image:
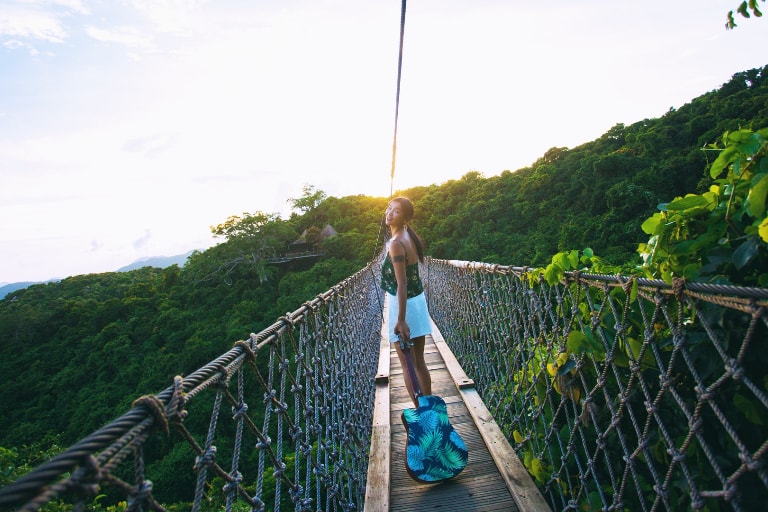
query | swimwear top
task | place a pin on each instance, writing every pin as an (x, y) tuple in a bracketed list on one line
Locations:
[(412, 278)]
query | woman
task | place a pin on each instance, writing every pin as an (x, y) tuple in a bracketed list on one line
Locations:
[(407, 306)]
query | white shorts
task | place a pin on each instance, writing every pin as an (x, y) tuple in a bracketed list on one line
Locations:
[(416, 316)]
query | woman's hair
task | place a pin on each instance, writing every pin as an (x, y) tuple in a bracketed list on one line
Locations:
[(407, 206)]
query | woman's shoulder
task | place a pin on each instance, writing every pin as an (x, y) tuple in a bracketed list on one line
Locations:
[(403, 246)]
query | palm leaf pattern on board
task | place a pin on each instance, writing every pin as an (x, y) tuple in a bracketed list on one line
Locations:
[(435, 451)]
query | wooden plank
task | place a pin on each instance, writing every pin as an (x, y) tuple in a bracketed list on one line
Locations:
[(451, 363), (519, 482), (378, 479), (379, 458), (382, 374)]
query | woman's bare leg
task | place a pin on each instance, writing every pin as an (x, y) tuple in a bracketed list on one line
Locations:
[(422, 372), (406, 373)]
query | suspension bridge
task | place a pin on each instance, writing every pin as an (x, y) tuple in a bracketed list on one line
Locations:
[(595, 393)]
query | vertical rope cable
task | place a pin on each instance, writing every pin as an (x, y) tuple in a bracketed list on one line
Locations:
[(397, 99)]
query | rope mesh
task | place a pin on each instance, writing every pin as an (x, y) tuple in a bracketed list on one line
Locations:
[(301, 396), (617, 394)]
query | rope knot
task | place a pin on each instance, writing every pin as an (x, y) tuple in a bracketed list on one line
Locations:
[(678, 287), (287, 320), (140, 497), (704, 395), (250, 355), (86, 480), (206, 459), (677, 455), (264, 443), (733, 368), (233, 483), (156, 409), (628, 285), (240, 411), (750, 463), (279, 469)]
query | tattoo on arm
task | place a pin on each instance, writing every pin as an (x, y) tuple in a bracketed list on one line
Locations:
[(398, 259)]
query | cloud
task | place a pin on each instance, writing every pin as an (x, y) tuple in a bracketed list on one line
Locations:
[(127, 36), (151, 146), (143, 240), (170, 16), (20, 22)]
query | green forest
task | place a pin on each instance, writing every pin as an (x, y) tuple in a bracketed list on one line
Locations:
[(679, 196)]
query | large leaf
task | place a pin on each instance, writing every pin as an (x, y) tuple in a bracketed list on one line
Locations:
[(746, 141), (750, 408), (757, 196), (745, 252), (688, 202), (651, 224), (762, 230), (727, 156), (573, 258)]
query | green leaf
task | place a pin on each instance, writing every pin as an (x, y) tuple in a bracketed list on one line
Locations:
[(749, 408), (588, 252), (762, 230), (745, 252), (757, 196), (561, 259), (727, 156), (553, 274), (688, 202), (577, 343), (651, 224), (573, 259)]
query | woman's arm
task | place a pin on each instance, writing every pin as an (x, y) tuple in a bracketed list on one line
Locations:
[(398, 255)]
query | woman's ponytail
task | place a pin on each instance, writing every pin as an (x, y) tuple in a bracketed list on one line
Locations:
[(417, 241)]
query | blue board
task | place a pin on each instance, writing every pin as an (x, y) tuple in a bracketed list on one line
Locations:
[(434, 451)]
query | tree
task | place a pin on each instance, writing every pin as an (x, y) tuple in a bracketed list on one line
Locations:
[(247, 226), (309, 200), (743, 9), (251, 240)]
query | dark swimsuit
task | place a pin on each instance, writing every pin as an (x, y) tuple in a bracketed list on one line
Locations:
[(412, 278)]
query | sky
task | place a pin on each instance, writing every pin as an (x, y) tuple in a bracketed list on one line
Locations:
[(129, 127)]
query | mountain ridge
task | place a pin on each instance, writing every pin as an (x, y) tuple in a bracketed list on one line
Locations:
[(148, 261)]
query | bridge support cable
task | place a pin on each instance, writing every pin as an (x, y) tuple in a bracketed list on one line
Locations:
[(397, 98)]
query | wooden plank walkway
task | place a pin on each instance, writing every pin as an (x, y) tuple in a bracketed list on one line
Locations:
[(494, 480)]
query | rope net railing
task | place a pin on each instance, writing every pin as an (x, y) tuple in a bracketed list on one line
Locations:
[(289, 427), (617, 393)]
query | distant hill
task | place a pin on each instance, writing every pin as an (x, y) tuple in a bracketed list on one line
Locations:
[(154, 261), (157, 261), (12, 287)]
